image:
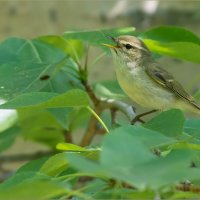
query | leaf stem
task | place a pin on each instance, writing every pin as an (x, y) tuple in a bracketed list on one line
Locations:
[(98, 118)]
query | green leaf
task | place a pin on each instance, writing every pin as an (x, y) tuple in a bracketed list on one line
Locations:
[(109, 90), (69, 147), (28, 99), (8, 136), (126, 158), (185, 195), (87, 166), (165, 123), (121, 144), (123, 193), (26, 64), (173, 41), (170, 34), (180, 50), (99, 36), (178, 168), (55, 164), (32, 166), (192, 127), (65, 79), (79, 117), (72, 47), (186, 145), (31, 186), (62, 116), (58, 163), (39, 125), (71, 98), (151, 138)]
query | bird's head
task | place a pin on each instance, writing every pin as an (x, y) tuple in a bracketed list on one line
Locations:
[(129, 48)]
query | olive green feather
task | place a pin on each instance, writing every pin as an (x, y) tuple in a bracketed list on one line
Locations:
[(165, 79)]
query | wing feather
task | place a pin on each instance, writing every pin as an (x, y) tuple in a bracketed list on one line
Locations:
[(165, 79)]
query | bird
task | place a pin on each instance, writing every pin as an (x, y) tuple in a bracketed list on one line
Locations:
[(144, 81)]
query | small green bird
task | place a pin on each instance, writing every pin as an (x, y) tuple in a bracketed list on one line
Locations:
[(144, 81)]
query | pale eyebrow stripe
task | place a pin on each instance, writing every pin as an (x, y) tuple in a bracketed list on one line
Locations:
[(138, 47)]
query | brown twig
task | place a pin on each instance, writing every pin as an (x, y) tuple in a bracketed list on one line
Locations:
[(68, 136), (90, 92), (93, 122), (91, 128), (188, 187)]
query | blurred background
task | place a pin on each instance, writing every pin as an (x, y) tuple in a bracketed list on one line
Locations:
[(32, 18)]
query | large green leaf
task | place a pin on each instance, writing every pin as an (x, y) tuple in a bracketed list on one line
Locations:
[(66, 78), (26, 65), (99, 36), (180, 50), (28, 99), (39, 125), (126, 146), (152, 139), (165, 123), (170, 34), (74, 48), (71, 98), (126, 157), (173, 41)]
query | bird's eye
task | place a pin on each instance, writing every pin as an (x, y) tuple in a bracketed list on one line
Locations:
[(128, 46)]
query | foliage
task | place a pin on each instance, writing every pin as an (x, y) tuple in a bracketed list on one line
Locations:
[(46, 81)]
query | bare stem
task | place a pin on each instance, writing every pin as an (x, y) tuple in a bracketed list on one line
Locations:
[(68, 136), (92, 128), (93, 122)]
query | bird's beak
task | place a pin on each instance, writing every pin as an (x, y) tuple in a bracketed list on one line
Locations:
[(111, 46)]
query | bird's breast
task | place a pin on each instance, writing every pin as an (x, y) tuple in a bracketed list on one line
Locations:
[(137, 84)]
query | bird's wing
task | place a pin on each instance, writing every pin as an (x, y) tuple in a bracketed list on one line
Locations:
[(165, 79)]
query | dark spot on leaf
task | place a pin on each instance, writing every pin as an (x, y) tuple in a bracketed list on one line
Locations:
[(193, 165), (44, 77)]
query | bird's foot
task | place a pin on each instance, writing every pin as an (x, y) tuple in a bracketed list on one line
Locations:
[(138, 117)]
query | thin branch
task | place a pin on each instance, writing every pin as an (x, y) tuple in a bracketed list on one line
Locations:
[(92, 128), (90, 92), (68, 136)]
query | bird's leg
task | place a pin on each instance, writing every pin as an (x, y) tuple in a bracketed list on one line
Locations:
[(113, 112), (137, 118)]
